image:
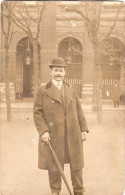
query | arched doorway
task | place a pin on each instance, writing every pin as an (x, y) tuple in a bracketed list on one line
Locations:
[(111, 60), (71, 50), (24, 69)]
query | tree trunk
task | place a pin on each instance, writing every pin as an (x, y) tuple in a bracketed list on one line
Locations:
[(97, 86), (8, 102), (99, 94), (94, 94), (36, 66)]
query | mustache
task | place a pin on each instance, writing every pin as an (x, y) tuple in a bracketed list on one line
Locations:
[(58, 76)]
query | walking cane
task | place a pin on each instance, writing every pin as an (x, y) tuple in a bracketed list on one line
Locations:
[(60, 168)]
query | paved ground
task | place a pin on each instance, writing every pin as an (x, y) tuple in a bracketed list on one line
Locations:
[(104, 156)]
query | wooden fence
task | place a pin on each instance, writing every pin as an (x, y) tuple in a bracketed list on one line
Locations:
[(77, 83), (107, 88)]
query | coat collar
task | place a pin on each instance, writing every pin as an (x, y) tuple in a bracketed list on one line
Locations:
[(53, 92), (49, 84), (68, 94)]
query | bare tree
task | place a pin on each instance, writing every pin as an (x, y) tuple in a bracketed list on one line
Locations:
[(91, 15), (26, 20), (7, 9)]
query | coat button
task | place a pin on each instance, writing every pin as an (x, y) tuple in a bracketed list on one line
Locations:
[(79, 131), (52, 101), (51, 123)]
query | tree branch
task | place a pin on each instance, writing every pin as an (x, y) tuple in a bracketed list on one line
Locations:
[(107, 52), (20, 26), (13, 5), (14, 17), (86, 23), (9, 5), (114, 23), (37, 7), (86, 8), (72, 9), (88, 30), (2, 25), (98, 20), (27, 25), (3, 6), (10, 39), (30, 15), (40, 18), (5, 15)]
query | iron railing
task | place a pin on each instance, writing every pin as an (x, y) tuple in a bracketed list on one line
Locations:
[(107, 88), (77, 84)]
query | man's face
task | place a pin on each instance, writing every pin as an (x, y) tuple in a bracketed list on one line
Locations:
[(58, 73)]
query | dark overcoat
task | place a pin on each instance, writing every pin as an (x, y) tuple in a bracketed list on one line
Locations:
[(49, 116), (116, 93)]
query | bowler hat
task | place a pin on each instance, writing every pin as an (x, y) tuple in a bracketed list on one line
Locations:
[(58, 62)]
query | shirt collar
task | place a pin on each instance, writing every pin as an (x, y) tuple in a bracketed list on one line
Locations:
[(56, 83)]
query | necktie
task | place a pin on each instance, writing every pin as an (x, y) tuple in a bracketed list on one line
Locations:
[(59, 85)]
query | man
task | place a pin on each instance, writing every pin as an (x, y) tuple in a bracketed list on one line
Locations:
[(116, 94), (59, 118)]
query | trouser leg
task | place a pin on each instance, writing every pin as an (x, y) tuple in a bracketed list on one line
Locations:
[(55, 181), (77, 181), (114, 103), (117, 103)]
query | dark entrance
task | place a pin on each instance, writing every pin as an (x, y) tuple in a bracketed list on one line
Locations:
[(71, 50), (28, 76), (24, 69)]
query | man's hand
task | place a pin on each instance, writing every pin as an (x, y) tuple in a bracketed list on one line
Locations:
[(45, 137), (84, 136)]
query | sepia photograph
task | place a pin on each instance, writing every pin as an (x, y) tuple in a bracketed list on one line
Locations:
[(62, 98)]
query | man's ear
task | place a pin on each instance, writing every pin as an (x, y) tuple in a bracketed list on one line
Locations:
[(65, 70)]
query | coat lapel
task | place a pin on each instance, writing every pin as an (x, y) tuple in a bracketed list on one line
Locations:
[(68, 95), (52, 91)]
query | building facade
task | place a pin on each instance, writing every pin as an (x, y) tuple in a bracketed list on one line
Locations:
[(65, 34)]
